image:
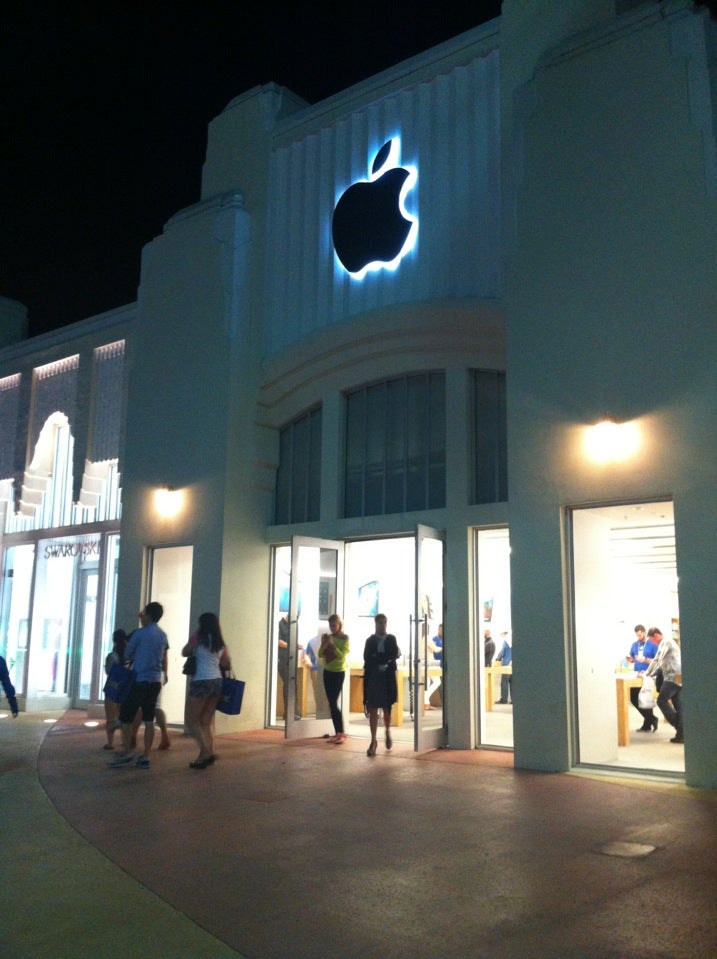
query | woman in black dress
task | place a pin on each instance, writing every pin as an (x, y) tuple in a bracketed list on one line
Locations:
[(379, 679)]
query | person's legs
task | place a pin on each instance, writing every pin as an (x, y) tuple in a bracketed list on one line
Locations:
[(127, 713), (161, 720), (333, 683), (206, 726), (194, 711), (387, 724), (668, 692), (373, 726), (111, 716), (648, 715), (149, 694), (677, 703)]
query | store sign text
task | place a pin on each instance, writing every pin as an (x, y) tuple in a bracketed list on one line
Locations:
[(89, 547)]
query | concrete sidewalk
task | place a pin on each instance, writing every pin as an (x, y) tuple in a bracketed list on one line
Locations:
[(310, 851)]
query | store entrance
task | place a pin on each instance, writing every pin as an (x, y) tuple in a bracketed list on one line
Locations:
[(401, 577), (63, 622), (494, 653), (624, 575)]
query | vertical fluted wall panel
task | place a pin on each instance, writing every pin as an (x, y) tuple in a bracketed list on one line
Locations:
[(449, 130)]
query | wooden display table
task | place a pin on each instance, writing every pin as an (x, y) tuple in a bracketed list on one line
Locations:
[(356, 691), (625, 682), (490, 675)]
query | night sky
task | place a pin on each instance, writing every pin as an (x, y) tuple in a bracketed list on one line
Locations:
[(105, 108)]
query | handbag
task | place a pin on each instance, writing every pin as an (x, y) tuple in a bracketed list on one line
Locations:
[(232, 696), (190, 665), (646, 696), (120, 680)]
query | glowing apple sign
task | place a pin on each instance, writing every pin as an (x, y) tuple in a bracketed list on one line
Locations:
[(371, 229)]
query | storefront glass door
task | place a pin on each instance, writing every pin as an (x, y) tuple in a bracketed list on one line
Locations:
[(494, 650), (83, 637), (18, 562), (401, 577), (624, 574), (428, 656), (63, 621), (308, 588)]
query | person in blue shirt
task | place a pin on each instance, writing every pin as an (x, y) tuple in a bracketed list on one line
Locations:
[(505, 658), (8, 687), (147, 654), (642, 652)]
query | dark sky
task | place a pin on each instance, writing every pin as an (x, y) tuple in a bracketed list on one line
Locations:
[(105, 106)]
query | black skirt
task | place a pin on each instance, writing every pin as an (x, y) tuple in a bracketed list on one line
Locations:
[(379, 689)]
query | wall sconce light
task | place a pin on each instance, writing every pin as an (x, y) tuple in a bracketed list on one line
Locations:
[(167, 501), (611, 442)]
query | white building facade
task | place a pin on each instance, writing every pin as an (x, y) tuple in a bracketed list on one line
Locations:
[(361, 373)]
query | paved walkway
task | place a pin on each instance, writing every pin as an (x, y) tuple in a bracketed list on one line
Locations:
[(310, 851)]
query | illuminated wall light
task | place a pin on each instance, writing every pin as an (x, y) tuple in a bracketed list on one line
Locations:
[(91, 723), (168, 501), (611, 442)]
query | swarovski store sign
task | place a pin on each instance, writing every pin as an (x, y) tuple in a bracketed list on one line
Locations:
[(56, 604)]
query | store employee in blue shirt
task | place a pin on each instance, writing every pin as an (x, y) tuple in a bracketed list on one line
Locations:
[(642, 652)]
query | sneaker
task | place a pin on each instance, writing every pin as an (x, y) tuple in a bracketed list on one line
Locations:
[(142, 763), (124, 759)]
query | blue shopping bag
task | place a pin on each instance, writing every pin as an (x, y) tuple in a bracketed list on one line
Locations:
[(119, 682), (232, 696)]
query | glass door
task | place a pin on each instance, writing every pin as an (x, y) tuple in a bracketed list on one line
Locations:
[(315, 592), (82, 645), (428, 656)]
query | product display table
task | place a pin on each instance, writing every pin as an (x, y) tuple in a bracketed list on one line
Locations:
[(625, 681), (491, 672)]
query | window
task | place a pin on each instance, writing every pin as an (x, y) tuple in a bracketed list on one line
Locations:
[(298, 475), (395, 458), (489, 427)]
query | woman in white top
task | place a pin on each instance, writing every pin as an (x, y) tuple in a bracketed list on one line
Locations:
[(205, 687)]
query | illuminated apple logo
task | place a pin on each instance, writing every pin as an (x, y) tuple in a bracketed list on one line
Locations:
[(371, 229)]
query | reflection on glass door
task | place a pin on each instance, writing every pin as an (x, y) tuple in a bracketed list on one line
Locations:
[(427, 660), (56, 648), (494, 654), (308, 588), (81, 655), (15, 594)]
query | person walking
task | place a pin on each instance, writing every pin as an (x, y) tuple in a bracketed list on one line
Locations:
[(8, 687), (641, 654), (147, 654), (333, 651), (205, 687), (668, 659), (380, 690), (116, 657)]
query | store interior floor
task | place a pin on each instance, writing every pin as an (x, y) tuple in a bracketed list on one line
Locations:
[(303, 850)]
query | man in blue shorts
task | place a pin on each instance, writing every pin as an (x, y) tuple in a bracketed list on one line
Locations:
[(147, 654)]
